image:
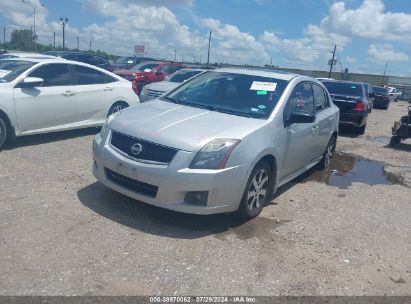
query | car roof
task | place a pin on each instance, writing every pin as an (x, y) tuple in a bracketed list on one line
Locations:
[(193, 69), (259, 72), (29, 55), (343, 81)]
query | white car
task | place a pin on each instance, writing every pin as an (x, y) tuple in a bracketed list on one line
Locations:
[(156, 89), (47, 95)]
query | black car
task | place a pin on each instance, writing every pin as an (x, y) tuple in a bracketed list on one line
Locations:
[(98, 61), (381, 97), (127, 62), (351, 98)]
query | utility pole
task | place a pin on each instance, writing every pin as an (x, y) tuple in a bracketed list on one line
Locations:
[(182, 55), (90, 45), (4, 37), (63, 22), (332, 61), (385, 70), (34, 20), (175, 54), (209, 45), (78, 43), (54, 39)]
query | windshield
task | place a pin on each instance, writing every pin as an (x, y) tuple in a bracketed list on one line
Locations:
[(142, 66), (237, 94), (344, 88), (11, 69), (125, 59), (380, 90), (181, 75)]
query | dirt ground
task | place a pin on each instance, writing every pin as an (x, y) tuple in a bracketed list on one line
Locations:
[(62, 233)]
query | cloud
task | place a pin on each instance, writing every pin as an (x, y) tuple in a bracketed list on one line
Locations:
[(385, 53), (369, 21)]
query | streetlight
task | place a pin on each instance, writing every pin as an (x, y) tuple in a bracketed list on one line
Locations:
[(34, 20), (63, 22)]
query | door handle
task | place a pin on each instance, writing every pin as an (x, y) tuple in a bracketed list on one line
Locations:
[(68, 93), (108, 89), (314, 129)]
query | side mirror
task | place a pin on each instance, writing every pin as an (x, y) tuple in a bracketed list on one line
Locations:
[(30, 82), (160, 73), (298, 116), (371, 94)]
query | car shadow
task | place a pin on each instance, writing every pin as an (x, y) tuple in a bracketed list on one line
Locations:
[(38, 139), (347, 131), (162, 222), (401, 147)]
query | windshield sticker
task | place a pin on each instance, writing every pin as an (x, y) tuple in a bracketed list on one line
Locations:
[(263, 86), (4, 73), (262, 107), (254, 110), (261, 92)]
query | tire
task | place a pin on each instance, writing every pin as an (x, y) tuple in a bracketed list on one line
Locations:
[(3, 131), (387, 106), (253, 201), (361, 130), (395, 140), (116, 107), (328, 153)]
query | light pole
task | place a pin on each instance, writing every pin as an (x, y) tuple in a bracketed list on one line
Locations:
[(63, 22), (34, 20)]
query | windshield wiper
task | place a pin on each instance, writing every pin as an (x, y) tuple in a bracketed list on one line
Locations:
[(172, 100), (233, 112)]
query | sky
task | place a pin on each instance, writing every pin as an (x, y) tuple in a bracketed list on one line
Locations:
[(289, 33)]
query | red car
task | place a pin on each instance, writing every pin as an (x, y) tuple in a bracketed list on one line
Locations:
[(148, 72)]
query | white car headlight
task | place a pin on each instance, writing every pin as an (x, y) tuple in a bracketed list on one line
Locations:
[(104, 129), (215, 154)]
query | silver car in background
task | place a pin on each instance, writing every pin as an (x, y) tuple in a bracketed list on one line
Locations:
[(156, 89), (224, 141)]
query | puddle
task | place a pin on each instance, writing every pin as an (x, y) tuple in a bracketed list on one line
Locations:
[(346, 169), (380, 139)]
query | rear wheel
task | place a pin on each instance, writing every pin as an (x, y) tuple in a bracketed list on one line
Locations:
[(117, 107), (395, 140), (257, 191), (3, 131), (361, 130), (328, 153)]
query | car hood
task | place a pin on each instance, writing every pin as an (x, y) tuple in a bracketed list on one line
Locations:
[(182, 127), (163, 86)]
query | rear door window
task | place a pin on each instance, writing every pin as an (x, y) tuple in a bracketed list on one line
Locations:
[(320, 98), (87, 76)]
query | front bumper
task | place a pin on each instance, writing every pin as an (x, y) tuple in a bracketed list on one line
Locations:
[(172, 182)]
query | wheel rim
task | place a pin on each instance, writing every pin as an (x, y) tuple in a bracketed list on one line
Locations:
[(258, 190), (117, 108), (330, 151)]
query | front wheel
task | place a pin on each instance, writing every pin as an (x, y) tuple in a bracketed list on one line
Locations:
[(117, 107), (257, 191), (3, 131)]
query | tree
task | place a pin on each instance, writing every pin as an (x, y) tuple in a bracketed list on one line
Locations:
[(21, 40)]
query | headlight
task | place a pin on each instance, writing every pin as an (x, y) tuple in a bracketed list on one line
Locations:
[(104, 129), (215, 154)]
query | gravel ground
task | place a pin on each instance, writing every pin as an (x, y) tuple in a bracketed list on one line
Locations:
[(62, 233)]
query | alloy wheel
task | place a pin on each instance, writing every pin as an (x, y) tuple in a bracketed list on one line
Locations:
[(330, 151), (258, 190)]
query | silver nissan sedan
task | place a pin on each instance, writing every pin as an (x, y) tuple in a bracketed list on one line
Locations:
[(222, 142)]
